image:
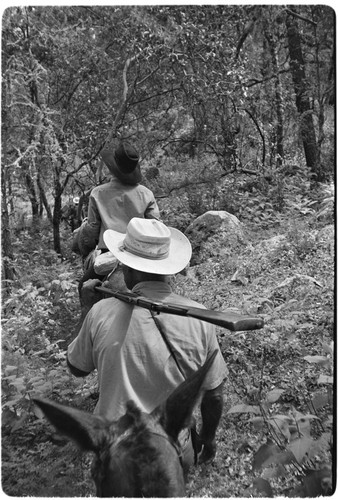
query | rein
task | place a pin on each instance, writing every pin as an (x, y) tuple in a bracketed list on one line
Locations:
[(177, 447)]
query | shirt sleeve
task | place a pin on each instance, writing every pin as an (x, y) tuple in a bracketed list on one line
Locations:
[(152, 211), (80, 351), (91, 229), (218, 370)]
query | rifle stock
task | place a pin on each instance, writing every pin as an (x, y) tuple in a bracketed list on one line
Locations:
[(226, 319)]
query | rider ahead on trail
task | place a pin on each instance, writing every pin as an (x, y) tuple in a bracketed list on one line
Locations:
[(113, 204)]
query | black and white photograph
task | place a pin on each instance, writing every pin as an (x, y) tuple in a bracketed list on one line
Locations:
[(168, 245)]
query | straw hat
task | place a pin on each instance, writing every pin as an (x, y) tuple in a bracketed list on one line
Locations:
[(150, 246), (123, 162)]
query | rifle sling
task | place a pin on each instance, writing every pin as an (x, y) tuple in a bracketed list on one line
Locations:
[(167, 343)]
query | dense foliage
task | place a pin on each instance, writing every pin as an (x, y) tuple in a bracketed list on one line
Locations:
[(276, 433), (225, 81), (231, 108)]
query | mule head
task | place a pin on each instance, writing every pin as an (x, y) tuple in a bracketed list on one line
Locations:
[(136, 455)]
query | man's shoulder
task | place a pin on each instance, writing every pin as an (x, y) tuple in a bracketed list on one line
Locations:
[(143, 189), (101, 187), (106, 305), (184, 301), (117, 187), (109, 309)]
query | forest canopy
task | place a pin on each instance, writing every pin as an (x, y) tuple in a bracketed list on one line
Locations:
[(232, 88)]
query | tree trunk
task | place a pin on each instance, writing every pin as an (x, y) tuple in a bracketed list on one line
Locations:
[(297, 65), (57, 212), (127, 92), (278, 94), (56, 225), (321, 100), (44, 200), (31, 190), (8, 270)]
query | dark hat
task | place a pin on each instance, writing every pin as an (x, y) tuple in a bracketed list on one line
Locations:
[(123, 162)]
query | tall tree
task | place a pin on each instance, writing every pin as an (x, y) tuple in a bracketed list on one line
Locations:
[(268, 23), (306, 124), (8, 270)]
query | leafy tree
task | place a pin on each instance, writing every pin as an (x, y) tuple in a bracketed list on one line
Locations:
[(278, 64), (213, 84)]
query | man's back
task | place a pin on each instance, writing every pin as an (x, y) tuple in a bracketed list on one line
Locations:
[(133, 360), (112, 205)]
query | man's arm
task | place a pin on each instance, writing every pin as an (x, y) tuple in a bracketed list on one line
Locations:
[(91, 228), (80, 358), (211, 411), (152, 211), (89, 296)]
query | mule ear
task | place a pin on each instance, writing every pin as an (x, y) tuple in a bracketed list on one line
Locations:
[(88, 431), (176, 412)]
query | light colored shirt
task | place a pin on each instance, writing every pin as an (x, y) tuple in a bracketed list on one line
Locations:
[(123, 343), (112, 206)]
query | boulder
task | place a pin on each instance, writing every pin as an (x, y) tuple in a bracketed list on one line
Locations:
[(271, 245), (214, 233)]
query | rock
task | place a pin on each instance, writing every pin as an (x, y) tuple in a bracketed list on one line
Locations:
[(272, 244), (214, 233)]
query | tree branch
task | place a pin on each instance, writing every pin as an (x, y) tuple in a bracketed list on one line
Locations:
[(305, 19), (255, 81)]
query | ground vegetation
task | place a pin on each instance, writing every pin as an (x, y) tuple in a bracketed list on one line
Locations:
[(276, 434)]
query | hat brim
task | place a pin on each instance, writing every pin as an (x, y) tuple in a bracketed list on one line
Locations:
[(133, 178), (178, 258)]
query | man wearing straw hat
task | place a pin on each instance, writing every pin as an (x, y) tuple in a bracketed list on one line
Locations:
[(140, 355)]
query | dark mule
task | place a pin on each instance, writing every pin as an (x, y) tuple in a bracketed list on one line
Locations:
[(139, 455)]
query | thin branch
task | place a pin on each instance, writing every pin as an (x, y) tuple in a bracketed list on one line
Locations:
[(149, 75), (148, 98), (256, 81), (124, 77), (246, 32), (81, 165), (305, 19), (259, 131)]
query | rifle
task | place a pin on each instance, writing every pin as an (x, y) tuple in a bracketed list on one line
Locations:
[(226, 319)]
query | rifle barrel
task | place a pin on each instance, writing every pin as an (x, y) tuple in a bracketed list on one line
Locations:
[(226, 319)]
